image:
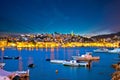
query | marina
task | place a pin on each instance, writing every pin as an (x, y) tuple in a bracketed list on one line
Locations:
[(59, 39), (99, 70)]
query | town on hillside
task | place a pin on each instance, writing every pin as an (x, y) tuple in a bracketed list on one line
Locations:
[(58, 40)]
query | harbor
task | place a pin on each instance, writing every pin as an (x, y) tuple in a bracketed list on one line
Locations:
[(99, 69), (59, 39)]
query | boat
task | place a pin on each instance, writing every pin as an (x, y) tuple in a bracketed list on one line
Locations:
[(101, 50), (22, 73), (85, 57), (31, 65), (8, 57), (74, 63), (70, 62), (116, 50), (48, 59), (2, 65), (58, 61)]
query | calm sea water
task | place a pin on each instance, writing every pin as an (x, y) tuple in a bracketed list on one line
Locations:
[(43, 70)]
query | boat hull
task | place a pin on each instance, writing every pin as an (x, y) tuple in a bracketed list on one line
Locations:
[(57, 61), (85, 59), (116, 50), (102, 50), (88, 59), (74, 63), (98, 51), (7, 57)]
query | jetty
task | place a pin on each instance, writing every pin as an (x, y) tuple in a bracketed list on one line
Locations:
[(22, 75)]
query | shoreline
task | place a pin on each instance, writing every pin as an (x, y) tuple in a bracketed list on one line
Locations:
[(4, 44)]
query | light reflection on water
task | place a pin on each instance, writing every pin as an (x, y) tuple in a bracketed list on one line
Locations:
[(99, 70)]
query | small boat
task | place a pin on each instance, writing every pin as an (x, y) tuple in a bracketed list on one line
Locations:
[(2, 65), (116, 50), (7, 57), (47, 59), (85, 57), (58, 61), (31, 65), (74, 63), (22, 72), (101, 50)]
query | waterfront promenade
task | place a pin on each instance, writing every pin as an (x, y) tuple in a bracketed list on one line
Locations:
[(4, 43)]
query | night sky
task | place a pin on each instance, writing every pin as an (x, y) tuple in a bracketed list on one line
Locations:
[(63, 16)]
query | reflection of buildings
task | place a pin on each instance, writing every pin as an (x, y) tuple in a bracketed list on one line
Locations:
[(20, 60), (89, 65), (52, 53), (2, 55), (57, 55), (46, 49), (69, 53), (64, 53), (30, 60), (20, 64)]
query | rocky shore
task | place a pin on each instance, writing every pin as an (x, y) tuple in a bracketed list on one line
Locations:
[(116, 74)]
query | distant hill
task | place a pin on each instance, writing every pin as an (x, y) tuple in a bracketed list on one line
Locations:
[(107, 35)]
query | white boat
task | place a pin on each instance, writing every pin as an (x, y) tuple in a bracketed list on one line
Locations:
[(116, 50), (101, 50), (2, 65), (22, 73), (74, 63), (58, 61)]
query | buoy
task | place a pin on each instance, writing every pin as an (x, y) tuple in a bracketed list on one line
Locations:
[(56, 71)]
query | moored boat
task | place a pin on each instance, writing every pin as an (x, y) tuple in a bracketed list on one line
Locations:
[(116, 50), (7, 57), (23, 73), (74, 63), (101, 50), (86, 57), (2, 65), (31, 65), (58, 61)]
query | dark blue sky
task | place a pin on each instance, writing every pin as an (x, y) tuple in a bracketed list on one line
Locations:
[(64, 16)]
